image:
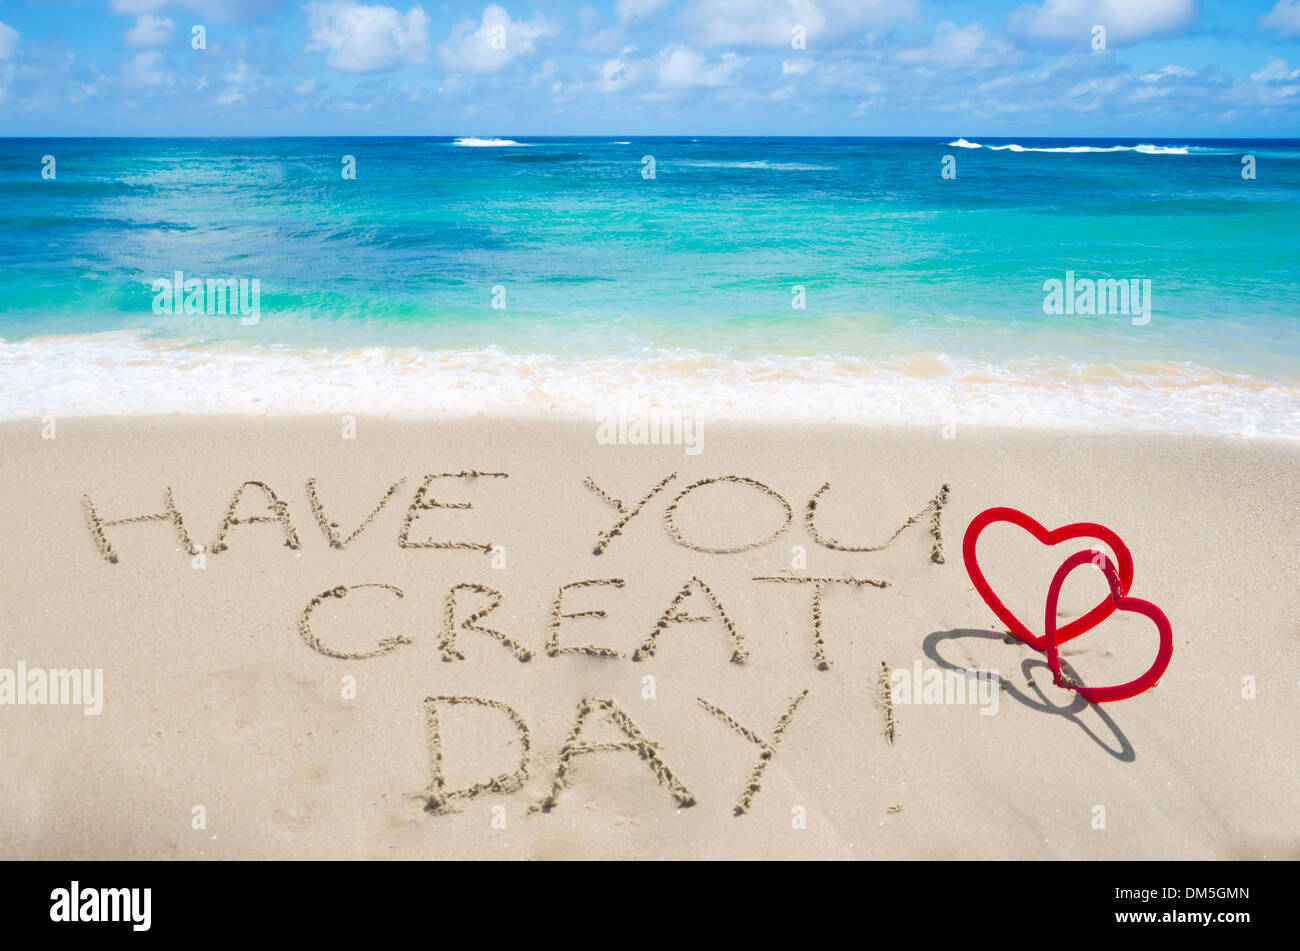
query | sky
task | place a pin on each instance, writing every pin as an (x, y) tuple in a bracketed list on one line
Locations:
[(1068, 68)]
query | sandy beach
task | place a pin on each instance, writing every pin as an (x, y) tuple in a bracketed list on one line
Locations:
[(233, 727)]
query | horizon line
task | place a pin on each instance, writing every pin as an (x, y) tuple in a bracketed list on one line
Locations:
[(664, 135)]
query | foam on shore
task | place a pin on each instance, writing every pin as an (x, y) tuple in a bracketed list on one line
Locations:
[(126, 373)]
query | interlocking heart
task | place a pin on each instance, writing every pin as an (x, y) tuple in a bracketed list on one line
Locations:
[(1119, 578)]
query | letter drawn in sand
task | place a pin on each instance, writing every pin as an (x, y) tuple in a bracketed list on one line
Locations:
[(673, 615), (419, 504), (553, 647), (767, 747), (98, 524), (885, 701), (437, 796), (329, 527), (448, 643), (670, 515), (604, 538), (934, 507), (280, 515), (819, 584), (636, 743), (385, 645)]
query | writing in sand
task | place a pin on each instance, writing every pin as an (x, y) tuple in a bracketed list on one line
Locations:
[(469, 605)]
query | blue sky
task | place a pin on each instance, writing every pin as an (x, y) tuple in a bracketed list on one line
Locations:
[(1170, 68)]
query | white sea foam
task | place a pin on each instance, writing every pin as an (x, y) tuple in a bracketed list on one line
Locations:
[(1162, 149), (485, 143), (771, 166), (1145, 149), (1013, 147), (125, 373)]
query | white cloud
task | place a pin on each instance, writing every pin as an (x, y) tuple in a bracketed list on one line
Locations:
[(221, 11), (864, 108), (239, 82), (1181, 72), (361, 38), (547, 72), (681, 67), (654, 77), (619, 72), (594, 35), (965, 47), (1070, 22), (493, 43), (1273, 85), (1275, 70), (150, 31), (598, 34), (771, 22), (146, 70), (638, 9), (137, 7), (1283, 19), (8, 46), (8, 41)]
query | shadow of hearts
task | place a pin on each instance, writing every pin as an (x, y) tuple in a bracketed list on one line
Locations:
[(1123, 752)]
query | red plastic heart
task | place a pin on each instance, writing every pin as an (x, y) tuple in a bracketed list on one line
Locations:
[(1104, 608), (1120, 603)]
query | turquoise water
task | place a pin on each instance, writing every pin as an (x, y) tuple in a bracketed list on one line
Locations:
[(907, 275)]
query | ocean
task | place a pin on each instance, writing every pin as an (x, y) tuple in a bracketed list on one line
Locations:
[(817, 279)]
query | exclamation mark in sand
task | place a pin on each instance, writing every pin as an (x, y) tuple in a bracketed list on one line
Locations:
[(885, 700)]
